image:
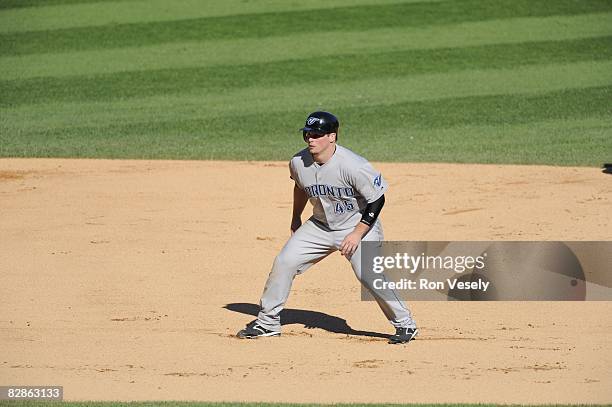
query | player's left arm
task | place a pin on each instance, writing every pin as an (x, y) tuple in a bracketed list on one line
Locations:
[(370, 184), (370, 214)]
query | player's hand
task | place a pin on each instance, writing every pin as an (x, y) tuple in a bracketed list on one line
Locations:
[(295, 225), (350, 244)]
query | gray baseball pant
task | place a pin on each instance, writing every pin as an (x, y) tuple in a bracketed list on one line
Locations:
[(307, 246)]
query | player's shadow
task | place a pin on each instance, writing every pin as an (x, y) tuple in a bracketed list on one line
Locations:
[(310, 319)]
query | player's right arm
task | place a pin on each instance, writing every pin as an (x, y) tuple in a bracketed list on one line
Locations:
[(299, 203)]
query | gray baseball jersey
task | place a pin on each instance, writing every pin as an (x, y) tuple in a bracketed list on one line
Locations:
[(340, 189)]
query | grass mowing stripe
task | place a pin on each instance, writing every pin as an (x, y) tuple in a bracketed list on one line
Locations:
[(582, 142), (9, 4), (499, 110), (139, 11), (363, 66), (248, 51), (559, 128), (266, 99), (280, 24)]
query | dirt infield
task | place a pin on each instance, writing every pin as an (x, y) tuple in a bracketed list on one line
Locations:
[(126, 280)]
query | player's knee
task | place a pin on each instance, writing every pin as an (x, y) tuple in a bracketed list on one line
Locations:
[(285, 263)]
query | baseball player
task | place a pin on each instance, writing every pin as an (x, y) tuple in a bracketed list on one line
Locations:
[(347, 195)]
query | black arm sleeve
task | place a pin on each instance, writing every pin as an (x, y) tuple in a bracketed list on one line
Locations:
[(372, 210)]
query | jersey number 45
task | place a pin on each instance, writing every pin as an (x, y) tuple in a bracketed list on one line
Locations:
[(344, 206)]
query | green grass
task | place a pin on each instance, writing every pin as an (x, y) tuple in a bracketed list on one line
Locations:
[(439, 81), (288, 22), (8, 4), (440, 130), (121, 85), (99, 13), (278, 49)]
